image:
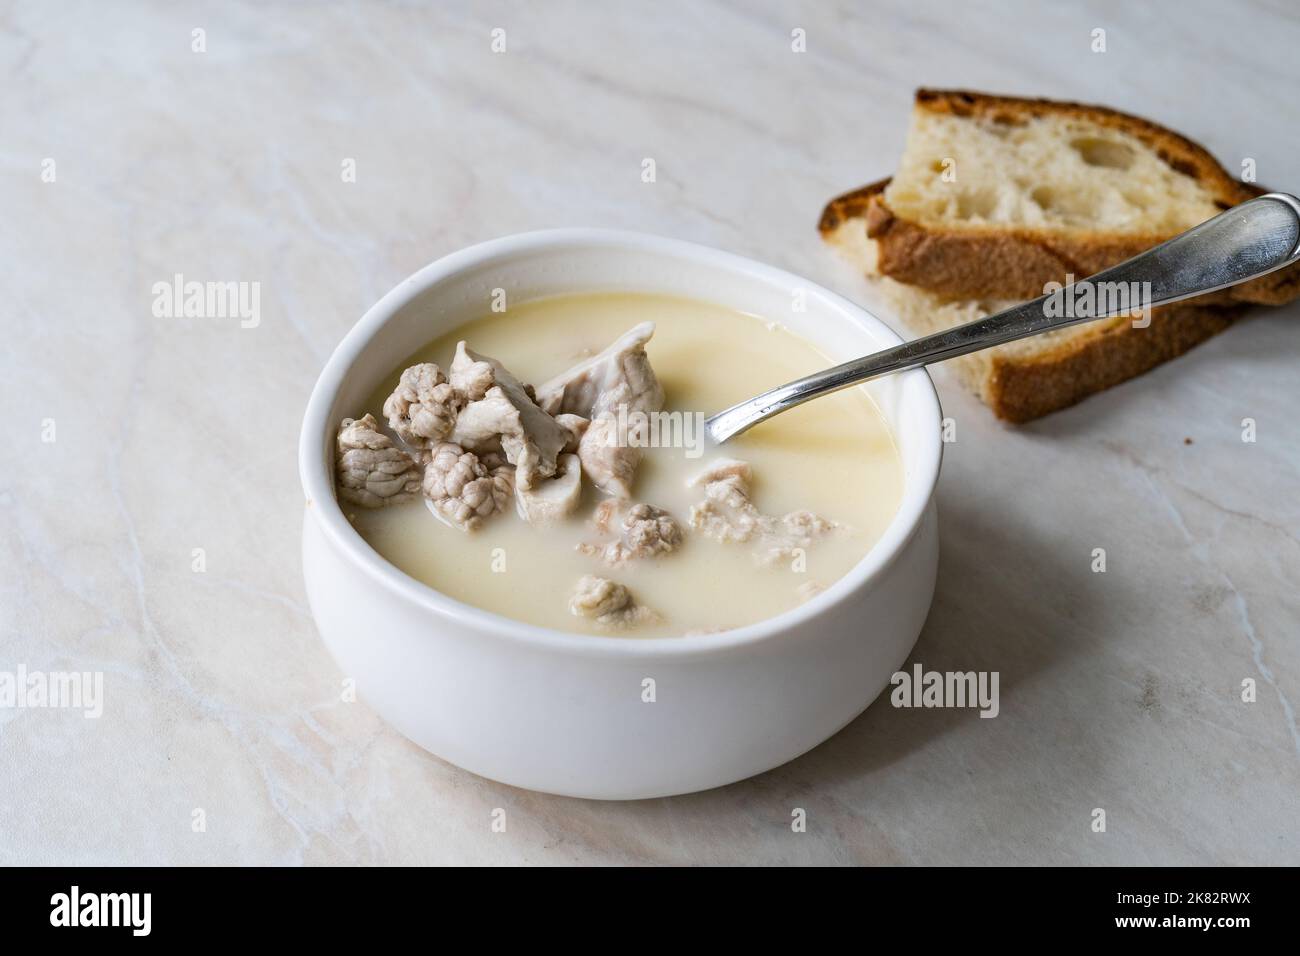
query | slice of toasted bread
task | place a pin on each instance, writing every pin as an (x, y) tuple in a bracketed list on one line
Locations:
[(1024, 380), (996, 196)]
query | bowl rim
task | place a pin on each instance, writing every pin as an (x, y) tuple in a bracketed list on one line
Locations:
[(324, 509)]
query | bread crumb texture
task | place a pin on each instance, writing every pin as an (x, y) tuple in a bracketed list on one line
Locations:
[(1053, 172)]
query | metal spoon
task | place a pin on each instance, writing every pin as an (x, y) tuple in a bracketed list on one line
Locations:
[(1248, 241)]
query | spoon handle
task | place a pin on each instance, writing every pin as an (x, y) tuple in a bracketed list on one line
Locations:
[(1247, 241)]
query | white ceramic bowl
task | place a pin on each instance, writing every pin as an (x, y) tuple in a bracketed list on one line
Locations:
[(563, 713)]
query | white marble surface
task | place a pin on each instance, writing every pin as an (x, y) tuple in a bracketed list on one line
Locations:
[(1119, 690)]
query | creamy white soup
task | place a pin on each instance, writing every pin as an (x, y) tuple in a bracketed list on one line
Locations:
[(735, 534)]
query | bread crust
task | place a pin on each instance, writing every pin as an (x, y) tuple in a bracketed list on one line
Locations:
[(999, 262), (1096, 356), (1022, 389)]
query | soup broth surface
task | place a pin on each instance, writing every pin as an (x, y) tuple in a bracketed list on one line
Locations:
[(834, 456)]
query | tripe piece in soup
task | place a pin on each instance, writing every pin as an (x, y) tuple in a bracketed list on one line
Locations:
[(590, 502)]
